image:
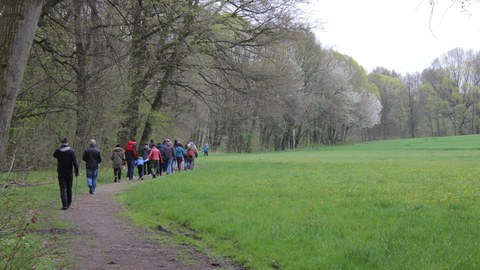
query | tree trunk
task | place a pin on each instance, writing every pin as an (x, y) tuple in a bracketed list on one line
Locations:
[(136, 79), (18, 23), (174, 60), (156, 105), (81, 79)]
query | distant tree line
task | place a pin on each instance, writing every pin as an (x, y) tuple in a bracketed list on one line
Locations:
[(239, 75), (442, 100)]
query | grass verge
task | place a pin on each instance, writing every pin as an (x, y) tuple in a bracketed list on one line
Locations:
[(389, 205)]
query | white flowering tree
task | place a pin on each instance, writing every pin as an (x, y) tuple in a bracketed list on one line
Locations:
[(347, 99)]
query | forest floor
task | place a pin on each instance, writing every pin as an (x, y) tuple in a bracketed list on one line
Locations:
[(105, 240)]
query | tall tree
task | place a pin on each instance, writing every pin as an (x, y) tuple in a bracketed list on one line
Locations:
[(206, 36), (18, 22), (450, 79), (411, 114), (389, 86), (137, 75), (81, 72)]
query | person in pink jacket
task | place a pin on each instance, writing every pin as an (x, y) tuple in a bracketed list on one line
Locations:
[(154, 158)]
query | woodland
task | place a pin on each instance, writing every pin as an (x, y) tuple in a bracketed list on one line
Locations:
[(238, 75)]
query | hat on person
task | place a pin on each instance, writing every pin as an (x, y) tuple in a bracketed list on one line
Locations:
[(118, 145)]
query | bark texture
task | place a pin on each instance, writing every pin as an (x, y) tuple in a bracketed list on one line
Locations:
[(18, 23)]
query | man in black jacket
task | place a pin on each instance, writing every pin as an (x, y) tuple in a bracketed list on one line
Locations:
[(66, 162), (92, 157)]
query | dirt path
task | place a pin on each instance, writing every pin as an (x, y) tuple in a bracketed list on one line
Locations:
[(108, 241)]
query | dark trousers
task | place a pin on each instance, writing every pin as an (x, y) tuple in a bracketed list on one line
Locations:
[(164, 165), (179, 163), (130, 168), (117, 173), (140, 170), (147, 169), (65, 182), (160, 168)]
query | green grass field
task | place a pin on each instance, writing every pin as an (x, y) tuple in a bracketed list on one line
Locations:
[(400, 204)]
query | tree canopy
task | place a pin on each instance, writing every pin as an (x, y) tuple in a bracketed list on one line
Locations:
[(239, 75)]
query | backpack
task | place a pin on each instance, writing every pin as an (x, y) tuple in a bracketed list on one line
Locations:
[(191, 153)]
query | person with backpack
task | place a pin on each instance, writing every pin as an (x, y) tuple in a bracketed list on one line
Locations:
[(66, 164), (179, 153), (93, 158), (192, 153), (130, 157), (118, 158)]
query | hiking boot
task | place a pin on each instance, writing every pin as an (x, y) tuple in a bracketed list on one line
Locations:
[(90, 190), (65, 208)]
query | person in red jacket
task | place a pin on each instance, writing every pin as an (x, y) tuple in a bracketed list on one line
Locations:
[(154, 158), (130, 157)]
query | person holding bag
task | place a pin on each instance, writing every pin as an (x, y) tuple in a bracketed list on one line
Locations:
[(93, 158)]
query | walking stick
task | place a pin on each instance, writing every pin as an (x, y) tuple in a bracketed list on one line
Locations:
[(76, 181)]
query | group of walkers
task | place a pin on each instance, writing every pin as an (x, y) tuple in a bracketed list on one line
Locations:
[(153, 159)]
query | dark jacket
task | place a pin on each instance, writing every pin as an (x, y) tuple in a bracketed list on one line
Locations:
[(92, 157), (169, 151), (66, 160), (145, 151), (161, 147)]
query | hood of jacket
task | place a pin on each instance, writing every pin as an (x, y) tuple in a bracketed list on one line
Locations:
[(64, 147)]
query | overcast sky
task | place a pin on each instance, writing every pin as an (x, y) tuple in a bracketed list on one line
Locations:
[(395, 34)]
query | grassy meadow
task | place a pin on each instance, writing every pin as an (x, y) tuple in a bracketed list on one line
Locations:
[(399, 204)]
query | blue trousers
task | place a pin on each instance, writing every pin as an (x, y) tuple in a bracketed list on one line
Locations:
[(92, 176)]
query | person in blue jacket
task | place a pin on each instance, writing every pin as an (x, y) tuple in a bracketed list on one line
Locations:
[(205, 150), (140, 163), (179, 153)]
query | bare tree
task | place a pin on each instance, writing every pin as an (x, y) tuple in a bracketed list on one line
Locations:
[(412, 83), (450, 79)]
